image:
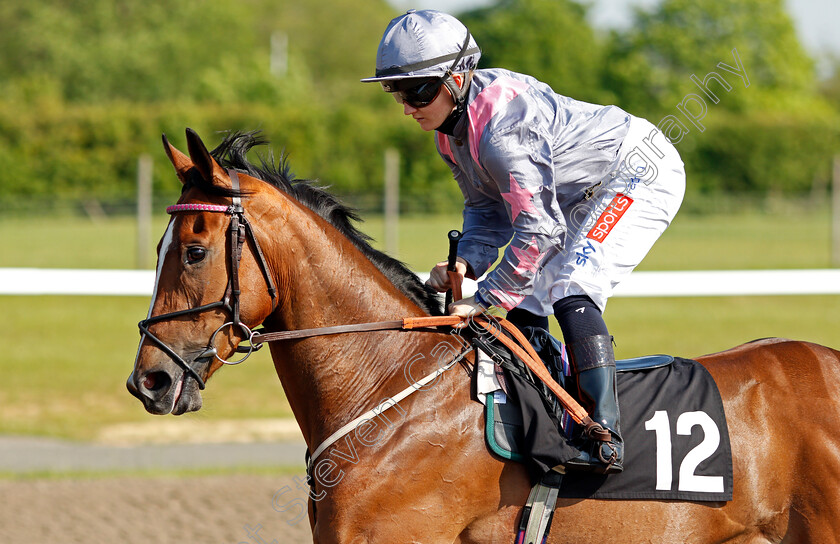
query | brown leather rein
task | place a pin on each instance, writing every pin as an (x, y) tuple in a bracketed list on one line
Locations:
[(407, 323), (520, 346)]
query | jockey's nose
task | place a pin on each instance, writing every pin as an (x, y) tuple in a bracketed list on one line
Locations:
[(408, 109)]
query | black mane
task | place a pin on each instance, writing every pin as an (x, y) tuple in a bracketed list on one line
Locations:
[(231, 153)]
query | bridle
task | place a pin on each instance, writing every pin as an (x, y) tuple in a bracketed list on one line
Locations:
[(239, 231)]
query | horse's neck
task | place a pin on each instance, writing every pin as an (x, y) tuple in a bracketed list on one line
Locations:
[(331, 379), (329, 281)]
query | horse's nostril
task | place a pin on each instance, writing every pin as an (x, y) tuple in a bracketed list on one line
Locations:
[(155, 381)]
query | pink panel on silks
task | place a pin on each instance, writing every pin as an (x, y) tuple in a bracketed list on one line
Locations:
[(488, 103), (507, 300), (444, 147), (529, 258)]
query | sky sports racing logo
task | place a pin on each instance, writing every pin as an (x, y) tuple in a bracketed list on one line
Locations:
[(616, 209)]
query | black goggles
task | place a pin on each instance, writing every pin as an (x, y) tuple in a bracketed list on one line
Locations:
[(417, 93)]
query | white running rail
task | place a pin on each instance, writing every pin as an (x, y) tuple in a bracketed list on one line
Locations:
[(55, 281)]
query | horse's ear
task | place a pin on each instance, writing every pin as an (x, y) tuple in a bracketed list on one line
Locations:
[(181, 162), (201, 158)]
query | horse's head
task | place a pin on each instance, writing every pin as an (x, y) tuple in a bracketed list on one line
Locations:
[(196, 318)]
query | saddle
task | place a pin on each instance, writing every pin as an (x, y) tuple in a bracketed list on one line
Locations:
[(663, 400)]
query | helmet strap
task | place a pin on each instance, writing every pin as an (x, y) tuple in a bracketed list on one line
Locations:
[(449, 71), (459, 93)]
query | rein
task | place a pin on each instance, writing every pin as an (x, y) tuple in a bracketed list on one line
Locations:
[(516, 342), (407, 323)]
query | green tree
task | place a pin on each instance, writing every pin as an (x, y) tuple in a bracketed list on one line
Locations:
[(652, 63), (337, 39), (157, 50), (548, 39), (94, 50), (735, 85)]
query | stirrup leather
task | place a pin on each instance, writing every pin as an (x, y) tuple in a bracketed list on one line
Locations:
[(538, 513)]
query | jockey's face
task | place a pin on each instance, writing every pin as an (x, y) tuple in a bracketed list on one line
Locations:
[(432, 116)]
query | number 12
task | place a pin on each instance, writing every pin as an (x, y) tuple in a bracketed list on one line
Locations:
[(688, 481)]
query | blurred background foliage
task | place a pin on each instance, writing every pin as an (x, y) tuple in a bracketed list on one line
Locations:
[(87, 86)]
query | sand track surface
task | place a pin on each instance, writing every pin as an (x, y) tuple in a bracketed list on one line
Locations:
[(225, 509)]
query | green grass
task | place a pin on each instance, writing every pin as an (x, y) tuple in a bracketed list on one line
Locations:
[(749, 240), (690, 327), (75, 242), (66, 358)]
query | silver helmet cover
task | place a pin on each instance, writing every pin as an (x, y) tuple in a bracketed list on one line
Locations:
[(425, 43)]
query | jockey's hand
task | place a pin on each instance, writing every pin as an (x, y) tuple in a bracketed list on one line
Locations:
[(466, 308), (439, 278)]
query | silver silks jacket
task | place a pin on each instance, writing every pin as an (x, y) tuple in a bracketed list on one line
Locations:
[(523, 156)]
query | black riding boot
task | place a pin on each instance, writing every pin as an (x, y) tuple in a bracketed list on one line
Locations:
[(593, 363)]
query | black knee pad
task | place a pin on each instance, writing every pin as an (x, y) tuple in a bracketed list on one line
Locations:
[(579, 317)]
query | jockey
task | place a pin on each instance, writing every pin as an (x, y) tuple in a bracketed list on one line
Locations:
[(579, 192)]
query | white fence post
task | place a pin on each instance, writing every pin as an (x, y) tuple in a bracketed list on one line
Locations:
[(392, 201), (144, 208), (835, 213)]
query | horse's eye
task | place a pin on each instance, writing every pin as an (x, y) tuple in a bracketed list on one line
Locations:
[(195, 254)]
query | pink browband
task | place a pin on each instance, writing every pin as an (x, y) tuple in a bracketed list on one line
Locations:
[(196, 208)]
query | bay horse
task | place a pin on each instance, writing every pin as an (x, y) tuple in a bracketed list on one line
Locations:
[(428, 476)]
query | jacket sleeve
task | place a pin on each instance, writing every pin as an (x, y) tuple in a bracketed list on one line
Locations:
[(519, 160), (486, 229), (486, 225)]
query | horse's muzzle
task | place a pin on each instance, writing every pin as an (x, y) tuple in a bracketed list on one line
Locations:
[(162, 393)]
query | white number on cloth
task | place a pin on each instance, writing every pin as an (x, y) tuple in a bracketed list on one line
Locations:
[(688, 480)]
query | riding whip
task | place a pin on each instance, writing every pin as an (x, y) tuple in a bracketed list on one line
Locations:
[(454, 293)]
